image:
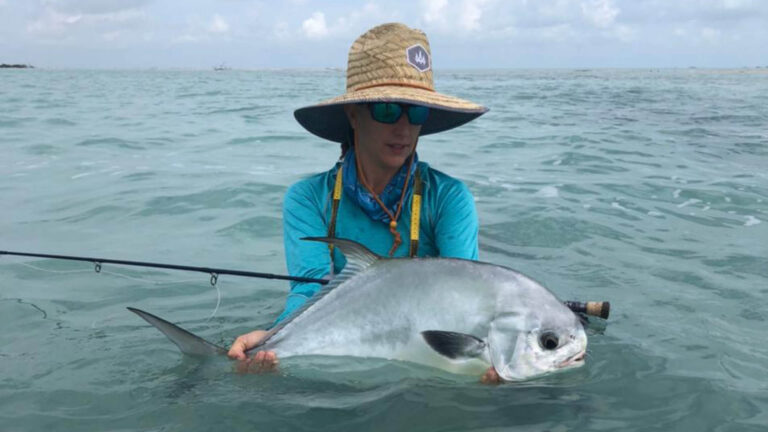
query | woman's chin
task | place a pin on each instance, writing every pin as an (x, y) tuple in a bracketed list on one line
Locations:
[(394, 160)]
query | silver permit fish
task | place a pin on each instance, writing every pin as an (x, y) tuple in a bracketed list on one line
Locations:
[(458, 315)]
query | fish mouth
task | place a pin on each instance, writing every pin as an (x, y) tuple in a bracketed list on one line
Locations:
[(575, 360)]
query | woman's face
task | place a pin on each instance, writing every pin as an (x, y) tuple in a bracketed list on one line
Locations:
[(385, 145)]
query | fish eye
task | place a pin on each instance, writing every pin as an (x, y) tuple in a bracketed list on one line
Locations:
[(548, 341)]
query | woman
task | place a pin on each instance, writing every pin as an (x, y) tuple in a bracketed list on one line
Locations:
[(379, 193)]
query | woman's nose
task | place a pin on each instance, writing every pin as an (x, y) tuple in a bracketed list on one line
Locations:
[(402, 126)]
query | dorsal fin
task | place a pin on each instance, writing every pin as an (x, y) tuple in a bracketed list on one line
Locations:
[(358, 258)]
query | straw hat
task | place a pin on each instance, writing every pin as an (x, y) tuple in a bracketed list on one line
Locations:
[(390, 63)]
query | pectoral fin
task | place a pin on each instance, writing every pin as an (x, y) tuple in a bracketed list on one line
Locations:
[(454, 345)]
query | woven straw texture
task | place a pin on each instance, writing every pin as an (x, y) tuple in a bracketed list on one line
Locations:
[(378, 57)]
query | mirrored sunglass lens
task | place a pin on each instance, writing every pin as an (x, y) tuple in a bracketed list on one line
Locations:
[(386, 112), (417, 115)]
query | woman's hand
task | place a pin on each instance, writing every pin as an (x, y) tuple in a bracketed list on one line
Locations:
[(262, 361), (491, 377)]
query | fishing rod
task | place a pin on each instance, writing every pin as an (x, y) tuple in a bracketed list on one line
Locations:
[(214, 272), (598, 309)]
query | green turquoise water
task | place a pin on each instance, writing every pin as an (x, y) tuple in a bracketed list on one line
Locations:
[(647, 188)]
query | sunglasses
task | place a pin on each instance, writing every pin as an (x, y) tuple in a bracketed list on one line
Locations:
[(390, 112)]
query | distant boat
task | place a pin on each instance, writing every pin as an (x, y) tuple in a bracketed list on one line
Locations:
[(16, 66), (221, 67)]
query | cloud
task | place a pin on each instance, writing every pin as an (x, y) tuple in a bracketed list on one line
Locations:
[(601, 13), (547, 12), (471, 13), (281, 30), (315, 27), (434, 11), (111, 36), (471, 32), (359, 20), (200, 30), (218, 25), (673, 12), (465, 16), (711, 35), (85, 22), (93, 7), (59, 25), (703, 35), (346, 25)]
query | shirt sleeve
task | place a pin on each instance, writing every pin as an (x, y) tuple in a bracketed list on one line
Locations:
[(304, 216), (456, 222)]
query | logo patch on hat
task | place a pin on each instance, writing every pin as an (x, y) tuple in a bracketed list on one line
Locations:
[(418, 57)]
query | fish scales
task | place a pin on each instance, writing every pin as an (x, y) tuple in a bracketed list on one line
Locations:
[(380, 312)]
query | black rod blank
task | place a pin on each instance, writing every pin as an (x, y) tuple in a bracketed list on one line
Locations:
[(209, 270)]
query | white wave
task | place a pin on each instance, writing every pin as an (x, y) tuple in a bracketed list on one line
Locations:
[(689, 202), (548, 192), (751, 220)]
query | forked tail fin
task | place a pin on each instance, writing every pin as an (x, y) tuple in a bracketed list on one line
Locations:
[(187, 342)]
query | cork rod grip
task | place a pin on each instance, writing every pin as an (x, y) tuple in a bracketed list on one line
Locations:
[(598, 309)]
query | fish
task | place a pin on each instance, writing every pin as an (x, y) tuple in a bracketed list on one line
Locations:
[(458, 315)]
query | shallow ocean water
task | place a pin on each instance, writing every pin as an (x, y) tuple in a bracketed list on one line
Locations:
[(647, 188)]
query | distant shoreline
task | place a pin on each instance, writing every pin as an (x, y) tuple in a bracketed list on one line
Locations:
[(748, 70), (16, 66)]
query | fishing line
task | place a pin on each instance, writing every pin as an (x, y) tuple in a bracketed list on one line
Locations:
[(21, 301), (218, 302), (54, 271), (213, 314), (148, 281), (133, 278)]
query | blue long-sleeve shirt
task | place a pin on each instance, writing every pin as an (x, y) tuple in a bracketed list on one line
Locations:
[(448, 227)]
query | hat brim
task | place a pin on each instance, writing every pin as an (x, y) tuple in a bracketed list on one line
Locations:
[(328, 120)]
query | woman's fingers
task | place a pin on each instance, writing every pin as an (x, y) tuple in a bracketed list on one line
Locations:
[(264, 361), (245, 342), (491, 377), (238, 348), (261, 362)]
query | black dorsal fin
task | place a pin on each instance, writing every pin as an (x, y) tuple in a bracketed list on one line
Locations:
[(358, 258)]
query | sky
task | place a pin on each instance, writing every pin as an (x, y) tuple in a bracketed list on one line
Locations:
[(245, 34)]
